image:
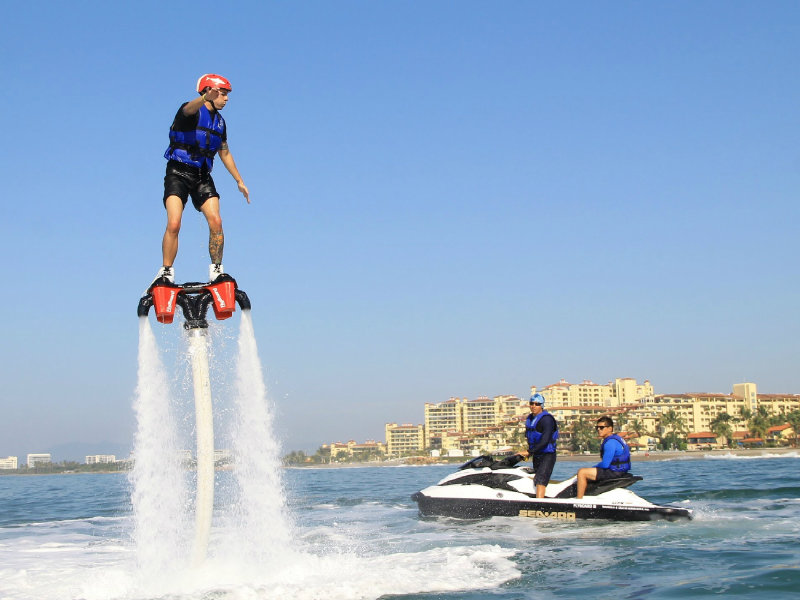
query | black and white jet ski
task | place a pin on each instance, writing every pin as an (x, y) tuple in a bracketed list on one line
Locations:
[(484, 488)]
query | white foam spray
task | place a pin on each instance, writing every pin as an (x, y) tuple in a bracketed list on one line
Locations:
[(263, 526), (159, 488), (255, 550), (253, 527)]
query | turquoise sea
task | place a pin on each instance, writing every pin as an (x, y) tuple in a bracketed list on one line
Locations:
[(355, 533)]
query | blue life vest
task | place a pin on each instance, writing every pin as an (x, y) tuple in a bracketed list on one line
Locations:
[(197, 147), (622, 462), (534, 436)]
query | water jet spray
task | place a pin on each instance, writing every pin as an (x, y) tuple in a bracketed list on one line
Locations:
[(194, 299)]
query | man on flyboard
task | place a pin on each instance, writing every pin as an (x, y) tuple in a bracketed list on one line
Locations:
[(197, 134)]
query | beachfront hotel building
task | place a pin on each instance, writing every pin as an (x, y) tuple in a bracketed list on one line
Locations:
[(38, 459), (369, 450), (479, 414), (460, 426), (222, 455), (460, 415), (567, 415), (402, 440), (101, 459), (747, 393), (464, 425), (637, 402), (620, 392), (441, 418), (501, 439), (9, 462), (699, 410)]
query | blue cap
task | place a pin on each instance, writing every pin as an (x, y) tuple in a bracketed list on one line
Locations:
[(538, 399)]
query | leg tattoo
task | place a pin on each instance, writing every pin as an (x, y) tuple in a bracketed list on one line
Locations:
[(216, 242)]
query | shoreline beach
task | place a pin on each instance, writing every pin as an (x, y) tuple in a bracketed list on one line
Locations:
[(587, 458)]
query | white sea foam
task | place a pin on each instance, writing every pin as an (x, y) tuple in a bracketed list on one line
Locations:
[(732, 456), (100, 572), (159, 490)]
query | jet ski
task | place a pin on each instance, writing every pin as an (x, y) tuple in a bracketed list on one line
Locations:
[(484, 488)]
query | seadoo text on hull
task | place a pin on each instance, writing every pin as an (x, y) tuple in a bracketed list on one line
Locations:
[(484, 488)]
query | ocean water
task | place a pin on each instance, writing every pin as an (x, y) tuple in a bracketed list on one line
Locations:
[(355, 533)]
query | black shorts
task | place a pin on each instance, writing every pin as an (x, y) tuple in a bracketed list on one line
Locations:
[(605, 474), (184, 180), (543, 465)]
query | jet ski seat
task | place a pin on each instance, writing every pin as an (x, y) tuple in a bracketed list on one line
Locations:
[(593, 488)]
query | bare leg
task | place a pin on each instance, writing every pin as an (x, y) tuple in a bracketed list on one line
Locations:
[(169, 245), (540, 491), (585, 475), (216, 238)]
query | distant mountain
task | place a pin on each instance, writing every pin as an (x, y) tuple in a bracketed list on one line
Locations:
[(78, 451)]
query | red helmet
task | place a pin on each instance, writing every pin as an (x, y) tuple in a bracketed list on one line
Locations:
[(213, 81)]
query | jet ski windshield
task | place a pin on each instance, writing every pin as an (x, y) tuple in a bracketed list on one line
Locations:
[(479, 462)]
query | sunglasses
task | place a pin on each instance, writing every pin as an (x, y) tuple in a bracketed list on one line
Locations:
[(536, 404), (599, 427)]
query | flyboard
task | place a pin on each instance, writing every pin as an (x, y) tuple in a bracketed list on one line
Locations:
[(194, 299)]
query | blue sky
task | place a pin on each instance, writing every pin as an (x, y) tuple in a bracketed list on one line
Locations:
[(449, 199)]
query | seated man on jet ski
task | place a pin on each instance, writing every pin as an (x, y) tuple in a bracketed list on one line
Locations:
[(541, 430), (616, 457)]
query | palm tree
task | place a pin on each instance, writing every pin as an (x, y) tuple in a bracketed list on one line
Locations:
[(517, 438), (322, 455), (636, 428), (759, 422), (673, 422), (777, 419), (744, 415), (721, 427), (295, 457), (583, 436), (793, 418)]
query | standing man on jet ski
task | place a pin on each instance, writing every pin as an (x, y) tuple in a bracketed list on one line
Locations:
[(541, 430), (616, 457), (197, 135)]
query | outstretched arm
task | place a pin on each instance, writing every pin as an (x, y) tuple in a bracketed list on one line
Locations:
[(227, 159), (191, 107)]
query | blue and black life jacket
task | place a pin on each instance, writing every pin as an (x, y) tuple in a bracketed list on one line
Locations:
[(621, 463), (534, 436), (197, 147)]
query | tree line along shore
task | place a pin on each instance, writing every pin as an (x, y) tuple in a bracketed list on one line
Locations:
[(657, 455), (74, 468)]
